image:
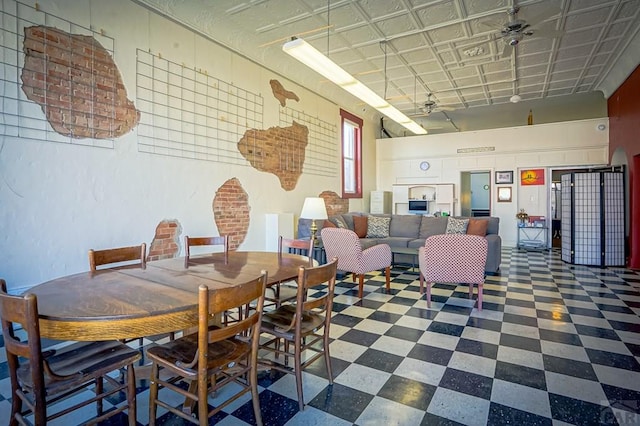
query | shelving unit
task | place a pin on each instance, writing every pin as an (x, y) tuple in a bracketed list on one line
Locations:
[(533, 237), (380, 202), (439, 196)]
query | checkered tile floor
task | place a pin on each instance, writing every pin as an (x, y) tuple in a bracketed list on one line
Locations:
[(554, 344)]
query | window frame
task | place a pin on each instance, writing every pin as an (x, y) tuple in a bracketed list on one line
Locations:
[(357, 123)]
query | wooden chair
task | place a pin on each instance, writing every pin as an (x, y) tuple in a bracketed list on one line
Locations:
[(203, 241), (213, 357), (44, 378), (222, 241), (118, 255), (304, 324), (281, 291), (110, 257), (345, 245), (453, 258)]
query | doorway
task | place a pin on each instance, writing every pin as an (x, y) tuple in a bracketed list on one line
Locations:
[(475, 193)]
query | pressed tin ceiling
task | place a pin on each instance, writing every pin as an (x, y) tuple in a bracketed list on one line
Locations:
[(406, 49)]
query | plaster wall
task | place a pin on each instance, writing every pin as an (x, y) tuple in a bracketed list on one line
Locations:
[(575, 143), (57, 200)]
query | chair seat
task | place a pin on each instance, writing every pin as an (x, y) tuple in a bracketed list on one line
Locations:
[(80, 363), (276, 322), (286, 292), (176, 354)]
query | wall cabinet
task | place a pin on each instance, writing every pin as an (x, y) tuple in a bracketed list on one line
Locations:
[(380, 202), (439, 196)]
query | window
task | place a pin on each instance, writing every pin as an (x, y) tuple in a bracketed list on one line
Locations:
[(351, 155)]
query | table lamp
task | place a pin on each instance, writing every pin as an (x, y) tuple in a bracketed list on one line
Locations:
[(314, 208)]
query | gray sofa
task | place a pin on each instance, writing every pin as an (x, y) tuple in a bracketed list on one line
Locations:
[(412, 231)]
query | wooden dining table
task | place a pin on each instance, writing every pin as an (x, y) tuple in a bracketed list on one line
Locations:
[(129, 302)]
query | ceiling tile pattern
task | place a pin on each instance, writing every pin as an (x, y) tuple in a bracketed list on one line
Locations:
[(405, 49)]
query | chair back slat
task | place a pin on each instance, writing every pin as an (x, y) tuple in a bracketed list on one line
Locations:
[(311, 278), (118, 255), (221, 240), (19, 311), (297, 246)]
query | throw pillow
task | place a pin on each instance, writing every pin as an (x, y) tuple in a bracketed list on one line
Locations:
[(457, 226), (328, 224), (378, 227), (360, 224), (477, 227), (339, 222)]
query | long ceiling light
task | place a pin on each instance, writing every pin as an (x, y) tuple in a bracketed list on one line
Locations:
[(311, 57)]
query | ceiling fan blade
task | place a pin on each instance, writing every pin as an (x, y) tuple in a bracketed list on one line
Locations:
[(489, 26), (445, 108), (546, 14), (547, 33), (506, 51)]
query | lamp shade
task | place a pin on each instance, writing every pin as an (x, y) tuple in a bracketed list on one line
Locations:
[(314, 208)]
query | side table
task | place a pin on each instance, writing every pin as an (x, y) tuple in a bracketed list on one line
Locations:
[(533, 237)]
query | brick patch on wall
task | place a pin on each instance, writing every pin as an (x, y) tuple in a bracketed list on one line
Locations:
[(282, 94), (76, 83), (277, 150), (166, 241), (231, 212), (335, 204)]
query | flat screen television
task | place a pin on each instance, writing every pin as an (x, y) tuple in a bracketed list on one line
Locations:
[(418, 206)]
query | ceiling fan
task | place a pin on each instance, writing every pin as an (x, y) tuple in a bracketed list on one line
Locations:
[(516, 29), (432, 106)]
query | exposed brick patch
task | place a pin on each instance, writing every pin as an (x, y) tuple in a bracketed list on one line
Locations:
[(282, 94), (231, 212), (76, 83), (277, 150), (335, 204), (166, 241)]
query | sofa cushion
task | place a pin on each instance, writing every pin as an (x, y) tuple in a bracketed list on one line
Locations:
[(493, 223), (360, 225), (365, 243), (432, 226), (457, 226), (347, 218), (378, 227), (477, 227), (339, 222), (407, 226), (395, 241), (328, 224)]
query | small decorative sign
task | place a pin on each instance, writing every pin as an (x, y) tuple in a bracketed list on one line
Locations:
[(532, 177)]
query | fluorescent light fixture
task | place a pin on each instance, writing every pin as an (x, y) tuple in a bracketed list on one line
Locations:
[(311, 57)]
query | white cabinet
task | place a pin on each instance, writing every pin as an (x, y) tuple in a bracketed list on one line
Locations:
[(380, 202), (277, 224)]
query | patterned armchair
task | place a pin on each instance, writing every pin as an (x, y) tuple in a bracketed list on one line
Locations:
[(453, 258), (345, 245)]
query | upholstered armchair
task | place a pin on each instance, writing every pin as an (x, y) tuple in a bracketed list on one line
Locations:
[(345, 245), (453, 258)]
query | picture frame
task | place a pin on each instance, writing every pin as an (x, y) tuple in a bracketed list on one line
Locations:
[(504, 194), (505, 176), (532, 177)]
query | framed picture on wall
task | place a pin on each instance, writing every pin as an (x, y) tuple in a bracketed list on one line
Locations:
[(504, 177), (504, 194), (532, 177)]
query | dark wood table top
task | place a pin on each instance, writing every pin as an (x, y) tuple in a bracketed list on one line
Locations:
[(131, 302)]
